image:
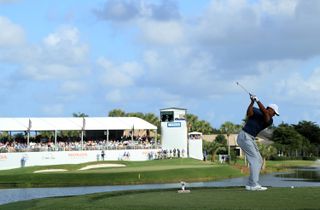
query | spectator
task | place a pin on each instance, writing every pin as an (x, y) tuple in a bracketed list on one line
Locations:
[(102, 155)]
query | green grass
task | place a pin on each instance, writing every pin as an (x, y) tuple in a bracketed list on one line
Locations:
[(275, 166), (157, 171), (290, 163), (204, 199)]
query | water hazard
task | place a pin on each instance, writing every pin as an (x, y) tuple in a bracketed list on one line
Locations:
[(307, 174), (299, 177)]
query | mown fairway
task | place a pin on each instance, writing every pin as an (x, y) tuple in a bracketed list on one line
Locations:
[(198, 199), (157, 171)]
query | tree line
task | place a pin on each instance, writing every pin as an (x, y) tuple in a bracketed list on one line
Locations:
[(300, 140)]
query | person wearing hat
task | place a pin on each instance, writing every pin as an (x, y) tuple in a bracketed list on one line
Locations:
[(257, 120)]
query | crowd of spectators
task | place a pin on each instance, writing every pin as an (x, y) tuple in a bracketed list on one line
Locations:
[(167, 154), (195, 136), (76, 145), (152, 155)]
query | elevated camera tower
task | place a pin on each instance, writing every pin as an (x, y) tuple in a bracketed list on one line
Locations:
[(174, 132)]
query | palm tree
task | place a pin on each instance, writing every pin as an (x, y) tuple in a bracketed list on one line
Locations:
[(4, 135), (116, 113), (46, 134), (79, 114), (228, 128), (212, 148), (77, 133), (203, 127), (266, 152), (194, 124), (135, 114), (153, 119), (192, 119)]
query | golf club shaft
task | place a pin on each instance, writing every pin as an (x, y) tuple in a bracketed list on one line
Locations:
[(244, 88)]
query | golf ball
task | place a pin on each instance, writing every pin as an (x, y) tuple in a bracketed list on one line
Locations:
[(292, 187)]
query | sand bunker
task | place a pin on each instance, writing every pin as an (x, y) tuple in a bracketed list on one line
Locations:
[(50, 170), (109, 165)]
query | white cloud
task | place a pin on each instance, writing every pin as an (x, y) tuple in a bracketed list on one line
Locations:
[(50, 71), (151, 58), (52, 40), (62, 55), (64, 36), (257, 43), (231, 41), (162, 97), (301, 90), (119, 75), (159, 32), (60, 62), (177, 60), (11, 34), (73, 87), (123, 10), (115, 96), (255, 32), (282, 8)]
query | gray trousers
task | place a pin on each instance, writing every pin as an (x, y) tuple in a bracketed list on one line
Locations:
[(250, 148)]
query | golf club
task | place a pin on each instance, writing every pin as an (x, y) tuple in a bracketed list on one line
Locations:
[(244, 88)]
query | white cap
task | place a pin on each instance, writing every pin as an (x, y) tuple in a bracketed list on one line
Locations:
[(275, 108)]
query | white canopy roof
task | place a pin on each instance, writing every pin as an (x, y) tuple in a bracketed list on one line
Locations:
[(74, 123), (195, 133)]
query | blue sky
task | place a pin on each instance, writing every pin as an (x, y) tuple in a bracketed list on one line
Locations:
[(61, 57)]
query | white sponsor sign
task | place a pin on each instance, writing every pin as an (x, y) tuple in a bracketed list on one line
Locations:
[(17, 160)]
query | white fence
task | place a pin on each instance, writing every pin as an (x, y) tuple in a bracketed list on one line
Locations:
[(195, 149), (21, 159)]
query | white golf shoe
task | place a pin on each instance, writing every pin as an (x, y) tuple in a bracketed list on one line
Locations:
[(256, 188)]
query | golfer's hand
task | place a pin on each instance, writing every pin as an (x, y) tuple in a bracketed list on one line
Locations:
[(254, 98)]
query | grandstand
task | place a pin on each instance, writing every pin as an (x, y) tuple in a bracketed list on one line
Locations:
[(117, 136)]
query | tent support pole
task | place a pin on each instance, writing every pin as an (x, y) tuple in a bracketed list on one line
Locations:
[(107, 138), (82, 140), (132, 132), (28, 138), (55, 139), (156, 139)]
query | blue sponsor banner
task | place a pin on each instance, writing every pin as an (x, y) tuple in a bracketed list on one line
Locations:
[(173, 124)]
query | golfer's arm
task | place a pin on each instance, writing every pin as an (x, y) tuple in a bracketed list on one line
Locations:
[(266, 115), (250, 109)]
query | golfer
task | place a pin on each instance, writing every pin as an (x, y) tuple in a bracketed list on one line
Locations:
[(257, 120)]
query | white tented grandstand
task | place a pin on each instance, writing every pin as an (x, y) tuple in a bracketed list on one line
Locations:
[(54, 151), (74, 123)]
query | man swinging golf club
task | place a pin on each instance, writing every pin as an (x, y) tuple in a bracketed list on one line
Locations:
[(257, 120)]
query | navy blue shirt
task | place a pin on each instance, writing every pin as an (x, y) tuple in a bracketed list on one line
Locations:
[(256, 123)]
